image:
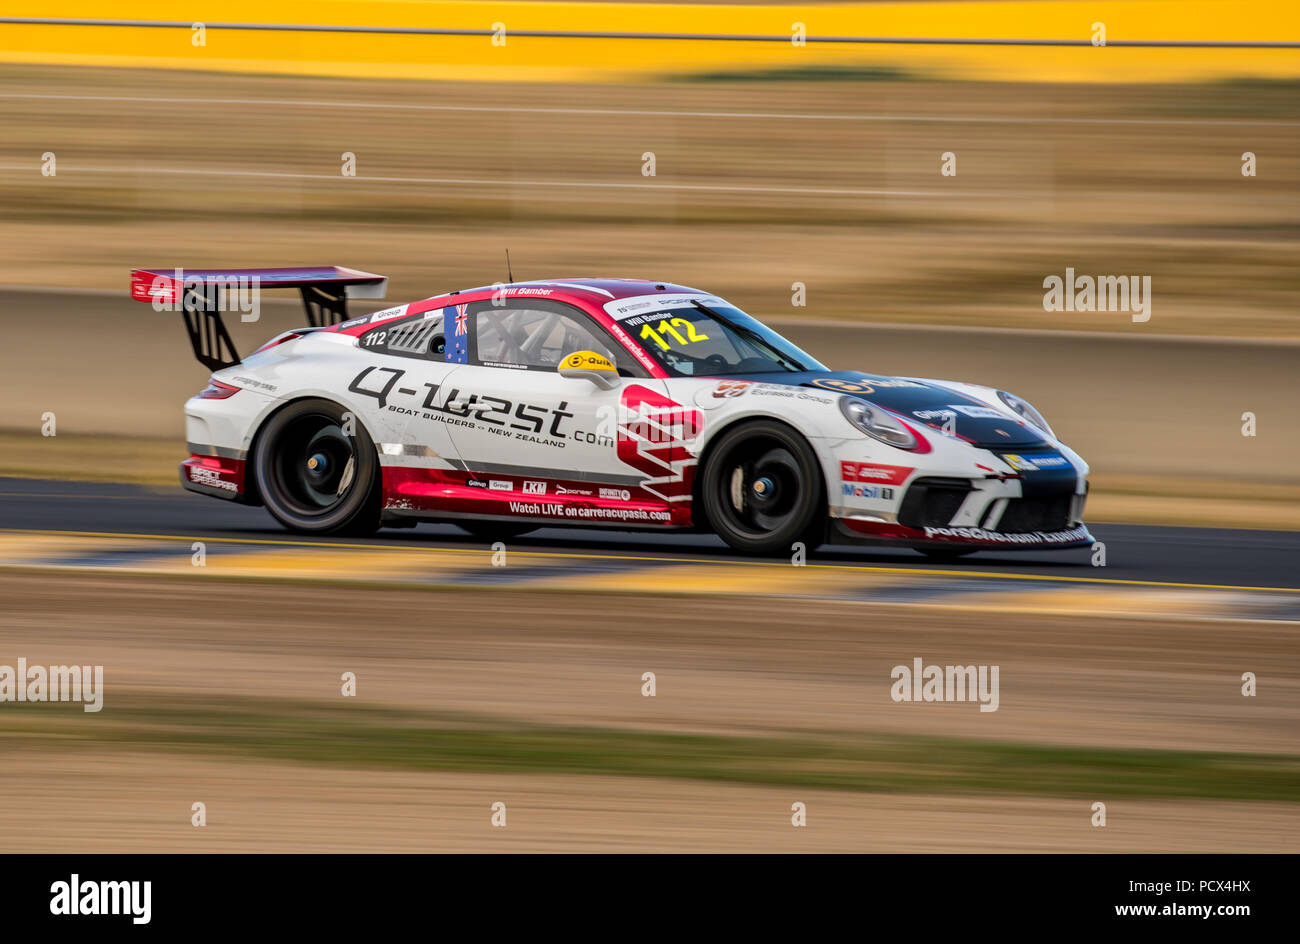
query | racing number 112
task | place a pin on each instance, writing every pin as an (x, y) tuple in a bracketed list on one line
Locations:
[(666, 327)]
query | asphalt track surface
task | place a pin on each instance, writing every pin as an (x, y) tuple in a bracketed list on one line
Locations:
[(1136, 554)]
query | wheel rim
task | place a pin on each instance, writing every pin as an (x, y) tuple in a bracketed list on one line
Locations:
[(760, 485), (314, 464)]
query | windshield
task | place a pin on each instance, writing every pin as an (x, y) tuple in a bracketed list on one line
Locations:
[(699, 341)]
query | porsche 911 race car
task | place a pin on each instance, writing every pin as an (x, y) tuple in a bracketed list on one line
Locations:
[(615, 403)]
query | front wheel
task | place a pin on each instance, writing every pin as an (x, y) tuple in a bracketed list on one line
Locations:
[(313, 476), (762, 489)]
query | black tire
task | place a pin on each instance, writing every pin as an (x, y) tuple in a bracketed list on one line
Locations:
[(762, 489), (301, 463), (946, 554), (495, 530)]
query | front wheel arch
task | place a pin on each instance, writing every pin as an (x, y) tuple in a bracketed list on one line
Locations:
[(816, 533)]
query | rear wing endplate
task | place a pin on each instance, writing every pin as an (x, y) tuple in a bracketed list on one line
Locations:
[(203, 295)]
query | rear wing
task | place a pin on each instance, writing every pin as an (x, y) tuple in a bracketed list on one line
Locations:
[(201, 295)]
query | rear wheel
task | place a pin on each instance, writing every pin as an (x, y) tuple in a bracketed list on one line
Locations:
[(313, 476), (762, 489)]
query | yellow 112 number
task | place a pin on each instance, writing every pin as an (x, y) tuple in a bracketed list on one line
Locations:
[(667, 327)]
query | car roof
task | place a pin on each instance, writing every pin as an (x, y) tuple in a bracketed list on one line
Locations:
[(584, 291), (588, 294)]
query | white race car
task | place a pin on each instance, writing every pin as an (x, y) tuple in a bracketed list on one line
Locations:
[(614, 403)]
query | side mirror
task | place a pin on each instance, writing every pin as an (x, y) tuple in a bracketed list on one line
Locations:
[(588, 365)]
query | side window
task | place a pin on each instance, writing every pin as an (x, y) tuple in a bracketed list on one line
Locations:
[(422, 336), (538, 334)]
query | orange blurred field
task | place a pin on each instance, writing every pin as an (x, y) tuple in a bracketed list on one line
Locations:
[(1106, 180)]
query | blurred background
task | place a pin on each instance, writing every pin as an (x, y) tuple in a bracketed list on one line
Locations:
[(777, 167), (780, 169)]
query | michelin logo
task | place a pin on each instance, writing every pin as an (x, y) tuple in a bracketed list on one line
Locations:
[(1034, 463)]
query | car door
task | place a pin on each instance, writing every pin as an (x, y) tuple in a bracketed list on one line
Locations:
[(536, 443), (403, 367)]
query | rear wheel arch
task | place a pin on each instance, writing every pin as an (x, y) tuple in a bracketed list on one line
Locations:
[(369, 517)]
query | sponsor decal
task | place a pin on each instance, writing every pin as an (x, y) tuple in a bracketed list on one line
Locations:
[(618, 494), (979, 412), (731, 388), (476, 483), (501, 485), (590, 513), (975, 412), (872, 472), (388, 313), (623, 308), (259, 384), (561, 490), (201, 475), (866, 491), (1028, 537), (866, 385), (780, 390), (654, 437), (933, 414), (843, 386), (522, 422), (644, 359), (535, 488), (1035, 463), (587, 360)]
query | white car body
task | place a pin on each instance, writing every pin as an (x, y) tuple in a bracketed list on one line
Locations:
[(465, 438)]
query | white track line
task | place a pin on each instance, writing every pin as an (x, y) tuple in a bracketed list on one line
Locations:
[(643, 113), (497, 185)]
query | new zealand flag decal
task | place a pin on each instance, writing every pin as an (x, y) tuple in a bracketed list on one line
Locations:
[(456, 318)]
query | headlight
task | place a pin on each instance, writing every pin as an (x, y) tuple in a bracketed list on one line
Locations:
[(876, 423), (1026, 411)]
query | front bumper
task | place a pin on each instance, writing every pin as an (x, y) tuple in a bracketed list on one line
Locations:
[(863, 531), (1042, 508)]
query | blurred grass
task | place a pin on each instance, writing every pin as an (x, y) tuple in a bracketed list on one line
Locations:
[(87, 457), (1043, 187), (351, 735)]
